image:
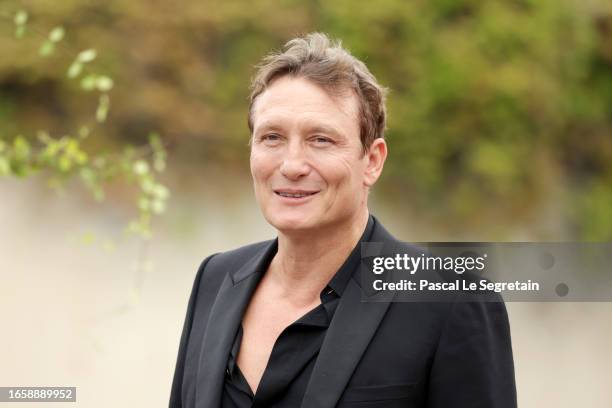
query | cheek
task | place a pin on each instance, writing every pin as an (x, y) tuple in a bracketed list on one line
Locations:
[(344, 185), (343, 175), (261, 166)]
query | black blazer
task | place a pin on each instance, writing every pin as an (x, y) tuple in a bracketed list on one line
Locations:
[(375, 354)]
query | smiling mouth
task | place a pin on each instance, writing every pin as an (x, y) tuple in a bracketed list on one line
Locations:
[(295, 194)]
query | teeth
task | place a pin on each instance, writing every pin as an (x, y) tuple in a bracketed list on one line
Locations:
[(298, 195)]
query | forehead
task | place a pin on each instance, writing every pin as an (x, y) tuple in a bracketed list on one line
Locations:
[(290, 99)]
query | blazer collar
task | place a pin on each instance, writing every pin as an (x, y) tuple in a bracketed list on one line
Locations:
[(258, 264)]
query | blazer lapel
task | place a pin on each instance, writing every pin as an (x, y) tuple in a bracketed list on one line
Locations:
[(348, 335), (352, 327), (225, 316)]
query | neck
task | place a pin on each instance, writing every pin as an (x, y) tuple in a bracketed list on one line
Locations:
[(306, 262)]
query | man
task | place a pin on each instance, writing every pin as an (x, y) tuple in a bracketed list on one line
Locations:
[(281, 323)]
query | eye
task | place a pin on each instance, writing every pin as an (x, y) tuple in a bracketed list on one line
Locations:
[(270, 139), (322, 140)]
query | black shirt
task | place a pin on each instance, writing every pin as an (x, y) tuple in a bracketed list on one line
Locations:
[(295, 351)]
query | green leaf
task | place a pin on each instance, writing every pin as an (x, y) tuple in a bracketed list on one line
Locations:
[(19, 169), (46, 48), (84, 132), (103, 105), (20, 31), (81, 158), (88, 83), (104, 83), (75, 69), (64, 164), (161, 192), (86, 56), (144, 204), (51, 150), (155, 141), (57, 34), (158, 206), (147, 185), (5, 167), (21, 148), (21, 17), (140, 167)]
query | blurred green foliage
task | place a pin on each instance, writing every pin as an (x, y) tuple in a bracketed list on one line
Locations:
[(63, 158), (499, 111)]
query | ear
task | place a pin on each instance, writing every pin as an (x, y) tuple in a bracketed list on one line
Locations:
[(375, 160)]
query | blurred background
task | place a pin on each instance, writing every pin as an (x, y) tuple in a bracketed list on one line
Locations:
[(500, 129)]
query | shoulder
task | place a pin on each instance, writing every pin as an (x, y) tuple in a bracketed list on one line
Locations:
[(235, 258), (215, 267), (392, 244)]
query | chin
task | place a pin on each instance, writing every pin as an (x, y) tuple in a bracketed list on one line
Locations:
[(291, 222)]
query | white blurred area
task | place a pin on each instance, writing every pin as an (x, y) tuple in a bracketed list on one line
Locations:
[(75, 311)]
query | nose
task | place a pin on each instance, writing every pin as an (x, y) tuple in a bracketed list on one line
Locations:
[(294, 165)]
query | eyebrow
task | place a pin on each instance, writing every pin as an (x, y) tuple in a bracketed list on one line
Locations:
[(268, 126), (325, 129), (319, 128)]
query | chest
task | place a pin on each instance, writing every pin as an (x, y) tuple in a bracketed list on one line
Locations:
[(263, 322)]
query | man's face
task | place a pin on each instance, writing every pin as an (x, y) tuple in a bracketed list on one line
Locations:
[(308, 167)]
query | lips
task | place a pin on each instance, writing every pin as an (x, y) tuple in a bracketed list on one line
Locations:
[(295, 193)]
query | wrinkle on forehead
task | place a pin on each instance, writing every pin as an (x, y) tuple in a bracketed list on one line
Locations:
[(288, 98)]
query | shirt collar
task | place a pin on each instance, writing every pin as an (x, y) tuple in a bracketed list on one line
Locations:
[(338, 282)]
